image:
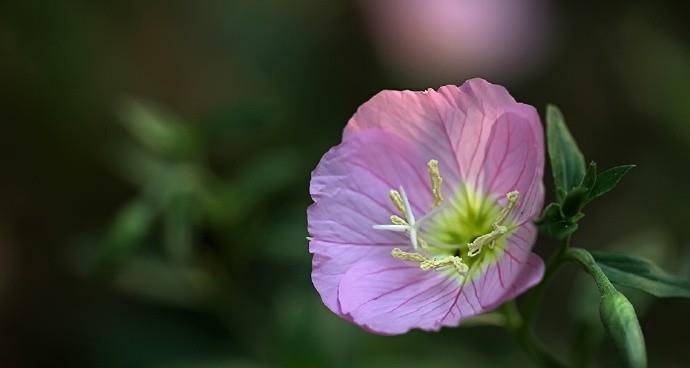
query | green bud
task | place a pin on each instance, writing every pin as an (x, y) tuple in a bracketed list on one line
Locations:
[(574, 201), (620, 320)]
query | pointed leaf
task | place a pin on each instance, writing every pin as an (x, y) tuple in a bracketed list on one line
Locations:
[(608, 180), (553, 223), (590, 177), (641, 274), (567, 162)]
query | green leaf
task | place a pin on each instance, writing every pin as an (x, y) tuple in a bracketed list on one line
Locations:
[(608, 180), (552, 212), (590, 177), (553, 223), (641, 274), (567, 162), (160, 132)]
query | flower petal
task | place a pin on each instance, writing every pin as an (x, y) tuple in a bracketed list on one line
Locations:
[(389, 297), (350, 188), (514, 160), (425, 119), (452, 125)]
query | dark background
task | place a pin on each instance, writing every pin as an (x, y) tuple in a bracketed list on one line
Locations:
[(155, 161)]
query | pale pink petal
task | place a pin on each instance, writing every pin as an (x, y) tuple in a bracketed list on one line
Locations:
[(423, 118), (514, 160), (388, 296), (350, 188), (454, 125), (482, 104)]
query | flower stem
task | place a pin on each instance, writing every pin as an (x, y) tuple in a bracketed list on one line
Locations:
[(585, 259), (552, 265), (521, 327), (522, 332)]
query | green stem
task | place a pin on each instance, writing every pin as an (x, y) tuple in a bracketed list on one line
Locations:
[(516, 324), (521, 327), (552, 265), (585, 259)]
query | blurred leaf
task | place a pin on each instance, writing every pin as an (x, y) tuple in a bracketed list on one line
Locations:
[(139, 166), (127, 231), (130, 225), (486, 319), (160, 132), (642, 274), (567, 162), (258, 181), (608, 180), (152, 278), (178, 228)]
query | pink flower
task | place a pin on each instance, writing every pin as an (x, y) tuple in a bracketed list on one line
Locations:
[(422, 215), (440, 39)]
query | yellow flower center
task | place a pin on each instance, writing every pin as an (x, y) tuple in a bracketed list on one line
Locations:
[(454, 235)]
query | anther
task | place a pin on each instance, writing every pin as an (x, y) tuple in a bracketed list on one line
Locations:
[(427, 264), (498, 228), (512, 198), (397, 200), (407, 256), (397, 220), (438, 263), (436, 181)]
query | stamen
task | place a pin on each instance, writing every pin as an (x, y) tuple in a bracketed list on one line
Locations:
[(428, 264), (438, 263), (396, 198), (422, 243), (408, 224), (498, 228), (407, 256), (397, 220), (476, 246), (512, 198), (436, 181)]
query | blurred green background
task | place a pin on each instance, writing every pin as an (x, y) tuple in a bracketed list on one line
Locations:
[(156, 159)]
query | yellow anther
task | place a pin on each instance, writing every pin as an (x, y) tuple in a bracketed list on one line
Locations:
[(441, 262), (422, 243), (407, 256), (512, 198), (487, 239), (499, 229), (428, 264), (397, 220), (436, 181), (397, 200)]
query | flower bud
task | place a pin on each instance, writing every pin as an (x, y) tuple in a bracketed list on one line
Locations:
[(619, 317)]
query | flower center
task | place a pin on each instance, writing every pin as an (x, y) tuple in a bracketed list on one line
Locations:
[(455, 234)]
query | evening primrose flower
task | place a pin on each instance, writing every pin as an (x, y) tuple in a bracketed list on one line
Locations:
[(422, 216)]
